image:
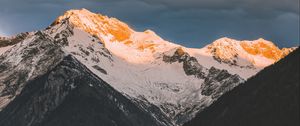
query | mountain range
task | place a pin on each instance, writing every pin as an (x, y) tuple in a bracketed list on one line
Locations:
[(88, 69)]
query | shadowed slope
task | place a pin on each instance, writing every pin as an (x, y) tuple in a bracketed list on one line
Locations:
[(271, 98)]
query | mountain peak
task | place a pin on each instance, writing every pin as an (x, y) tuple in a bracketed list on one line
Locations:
[(98, 25), (116, 35), (79, 11), (259, 52)]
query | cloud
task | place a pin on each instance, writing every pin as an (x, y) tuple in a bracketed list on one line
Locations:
[(192, 23), (248, 5), (288, 30)]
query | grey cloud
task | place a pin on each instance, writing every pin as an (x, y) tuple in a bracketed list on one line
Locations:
[(283, 5), (252, 8), (192, 23)]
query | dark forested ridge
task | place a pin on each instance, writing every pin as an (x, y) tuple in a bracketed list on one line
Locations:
[(271, 98)]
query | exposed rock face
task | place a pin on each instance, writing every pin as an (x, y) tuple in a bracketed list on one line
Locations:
[(216, 82), (271, 98), (190, 64), (13, 40), (219, 82)]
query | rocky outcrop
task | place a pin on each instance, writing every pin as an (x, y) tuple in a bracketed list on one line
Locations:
[(219, 82), (12, 40), (190, 64), (216, 82)]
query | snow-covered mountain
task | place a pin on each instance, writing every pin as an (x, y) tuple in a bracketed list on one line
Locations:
[(168, 81), (145, 47)]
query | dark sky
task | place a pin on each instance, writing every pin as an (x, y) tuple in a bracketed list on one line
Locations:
[(192, 23)]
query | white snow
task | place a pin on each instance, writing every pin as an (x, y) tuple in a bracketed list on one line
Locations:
[(4, 49)]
